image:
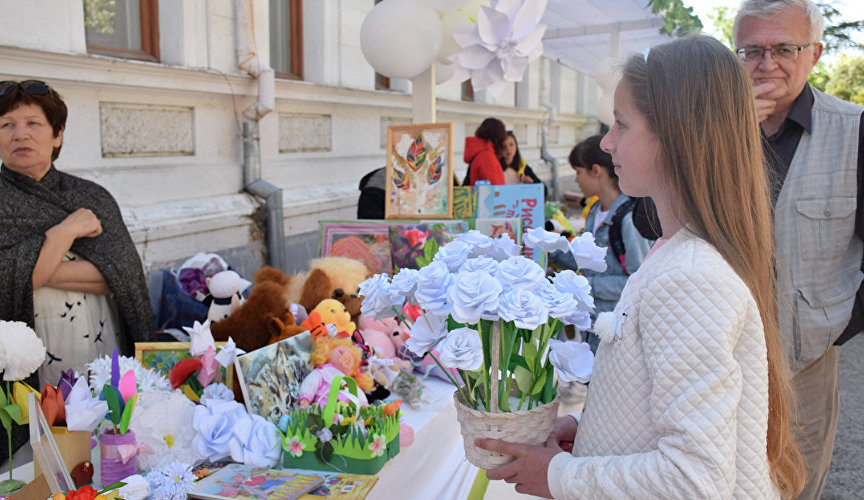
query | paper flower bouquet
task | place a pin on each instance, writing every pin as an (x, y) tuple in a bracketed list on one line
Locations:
[(341, 436), (493, 315)]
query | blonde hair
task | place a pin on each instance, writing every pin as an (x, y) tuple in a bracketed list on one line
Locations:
[(321, 355), (699, 102)]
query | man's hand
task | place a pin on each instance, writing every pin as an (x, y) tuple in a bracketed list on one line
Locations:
[(529, 469), (764, 107), (563, 433)]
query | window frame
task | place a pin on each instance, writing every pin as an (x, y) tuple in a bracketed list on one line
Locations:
[(295, 10), (148, 16)]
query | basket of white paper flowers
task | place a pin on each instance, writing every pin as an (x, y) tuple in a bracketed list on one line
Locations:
[(493, 315)]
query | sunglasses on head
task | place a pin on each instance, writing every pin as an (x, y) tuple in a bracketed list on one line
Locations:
[(32, 87)]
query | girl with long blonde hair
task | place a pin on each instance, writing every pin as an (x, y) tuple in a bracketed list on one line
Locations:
[(690, 392)]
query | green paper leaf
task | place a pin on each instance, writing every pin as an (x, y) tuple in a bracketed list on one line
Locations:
[(430, 249), (3, 399), (6, 419), (13, 411), (523, 378), (115, 403), (529, 352), (314, 423), (537, 386), (127, 414), (111, 487)]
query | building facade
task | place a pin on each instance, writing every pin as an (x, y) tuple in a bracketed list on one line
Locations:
[(156, 103)]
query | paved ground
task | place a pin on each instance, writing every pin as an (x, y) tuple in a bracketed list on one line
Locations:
[(846, 478)]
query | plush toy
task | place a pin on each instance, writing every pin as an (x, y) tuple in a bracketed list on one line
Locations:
[(263, 319), (330, 278), (226, 289), (332, 358), (333, 312)]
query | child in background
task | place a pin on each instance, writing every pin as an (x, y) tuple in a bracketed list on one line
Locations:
[(610, 219)]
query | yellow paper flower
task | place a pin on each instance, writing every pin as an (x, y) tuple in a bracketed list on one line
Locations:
[(20, 390)]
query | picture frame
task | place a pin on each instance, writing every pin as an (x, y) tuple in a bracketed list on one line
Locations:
[(419, 171), (270, 377), (366, 241), (45, 450), (162, 356)]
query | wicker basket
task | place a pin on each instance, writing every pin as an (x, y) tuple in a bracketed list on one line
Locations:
[(526, 426)]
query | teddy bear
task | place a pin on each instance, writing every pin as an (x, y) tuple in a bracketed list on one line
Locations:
[(333, 312), (264, 318), (329, 278), (226, 294)]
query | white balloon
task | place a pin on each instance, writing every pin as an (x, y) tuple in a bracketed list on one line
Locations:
[(444, 5), (453, 22), (401, 38), (604, 109), (444, 72)]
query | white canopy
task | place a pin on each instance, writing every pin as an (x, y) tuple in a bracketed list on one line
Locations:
[(581, 33)]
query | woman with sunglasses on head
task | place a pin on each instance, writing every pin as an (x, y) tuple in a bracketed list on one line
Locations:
[(68, 267)]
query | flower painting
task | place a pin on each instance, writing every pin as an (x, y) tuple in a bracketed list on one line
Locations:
[(419, 171)]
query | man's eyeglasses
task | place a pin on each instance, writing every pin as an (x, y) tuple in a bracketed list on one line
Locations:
[(32, 87), (783, 52)]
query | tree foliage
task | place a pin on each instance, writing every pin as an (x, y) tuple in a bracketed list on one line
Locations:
[(678, 17), (846, 78)]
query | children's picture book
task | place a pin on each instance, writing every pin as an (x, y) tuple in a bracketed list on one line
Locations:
[(244, 482), (496, 227), (515, 200), (270, 377), (343, 487)]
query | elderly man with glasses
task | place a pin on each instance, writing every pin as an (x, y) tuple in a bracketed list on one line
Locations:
[(815, 153)]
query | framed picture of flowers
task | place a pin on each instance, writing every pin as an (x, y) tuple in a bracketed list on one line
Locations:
[(419, 171), (162, 356)]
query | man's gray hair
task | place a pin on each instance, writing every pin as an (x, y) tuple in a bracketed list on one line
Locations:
[(765, 8)]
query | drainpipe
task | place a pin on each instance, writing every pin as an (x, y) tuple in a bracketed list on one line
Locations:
[(265, 103), (550, 160)]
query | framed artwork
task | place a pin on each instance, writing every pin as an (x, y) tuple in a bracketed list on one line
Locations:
[(366, 241), (419, 171), (496, 227), (270, 377), (45, 451), (523, 201), (162, 356)]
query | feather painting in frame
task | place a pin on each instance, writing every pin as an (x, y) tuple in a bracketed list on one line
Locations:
[(419, 171)]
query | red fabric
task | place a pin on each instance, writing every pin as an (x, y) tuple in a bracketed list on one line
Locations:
[(482, 161)]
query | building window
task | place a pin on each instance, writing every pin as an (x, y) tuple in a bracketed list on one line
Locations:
[(381, 82), (286, 38), (122, 28)]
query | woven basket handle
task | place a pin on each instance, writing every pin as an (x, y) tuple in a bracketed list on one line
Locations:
[(496, 347)]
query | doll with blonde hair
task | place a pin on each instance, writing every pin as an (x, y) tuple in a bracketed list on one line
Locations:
[(333, 357)]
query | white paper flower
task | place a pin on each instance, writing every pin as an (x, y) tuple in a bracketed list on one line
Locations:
[(163, 421), (218, 392), (146, 379), (83, 411), (573, 360), (256, 442), (500, 46), (503, 247), (21, 350), (200, 338), (461, 349), (587, 254), (479, 242), (426, 332), (229, 353), (545, 240), (576, 285)]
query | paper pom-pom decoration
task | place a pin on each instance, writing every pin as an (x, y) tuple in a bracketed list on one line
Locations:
[(401, 38)]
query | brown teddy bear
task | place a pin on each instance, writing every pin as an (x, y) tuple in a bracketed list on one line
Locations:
[(329, 278), (264, 318)]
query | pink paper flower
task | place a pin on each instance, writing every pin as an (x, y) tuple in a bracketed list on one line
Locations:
[(209, 367), (378, 445), (294, 446)]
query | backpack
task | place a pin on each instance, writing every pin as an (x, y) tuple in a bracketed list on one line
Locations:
[(616, 239)]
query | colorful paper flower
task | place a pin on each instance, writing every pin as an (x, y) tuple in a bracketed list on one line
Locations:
[(100, 373), (183, 370), (461, 349), (324, 435), (377, 445), (200, 338), (21, 350), (573, 360), (293, 446)]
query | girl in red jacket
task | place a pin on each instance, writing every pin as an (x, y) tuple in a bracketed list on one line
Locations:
[(481, 153)]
